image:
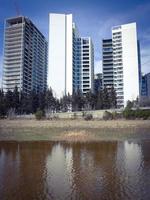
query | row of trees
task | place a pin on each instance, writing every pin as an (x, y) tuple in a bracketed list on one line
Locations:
[(22, 103)]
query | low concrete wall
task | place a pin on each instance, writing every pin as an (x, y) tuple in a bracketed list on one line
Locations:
[(30, 116), (97, 114)]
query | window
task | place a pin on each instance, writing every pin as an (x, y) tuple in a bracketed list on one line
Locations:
[(85, 62), (85, 70), (85, 41)]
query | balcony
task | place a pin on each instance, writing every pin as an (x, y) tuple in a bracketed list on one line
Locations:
[(12, 54), (12, 47)]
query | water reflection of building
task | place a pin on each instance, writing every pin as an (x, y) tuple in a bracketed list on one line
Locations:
[(94, 170), (145, 149), (9, 167), (22, 170), (129, 170), (104, 170), (59, 172)]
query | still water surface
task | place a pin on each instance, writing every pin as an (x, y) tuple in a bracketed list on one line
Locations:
[(61, 171)]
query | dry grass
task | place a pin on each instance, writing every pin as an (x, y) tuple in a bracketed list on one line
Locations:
[(74, 123), (75, 136), (73, 130)]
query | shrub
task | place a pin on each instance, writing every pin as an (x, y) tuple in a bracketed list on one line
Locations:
[(88, 117), (74, 115), (107, 115), (136, 114), (144, 114), (115, 115), (129, 105), (129, 114), (83, 114), (39, 114), (55, 117)]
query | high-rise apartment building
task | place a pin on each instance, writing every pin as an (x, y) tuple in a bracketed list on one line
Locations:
[(107, 62), (25, 56), (83, 70), (71, 57), (145, 89), (126, 63), (60, 53), (148, 84), (87, 65), (98, 82)]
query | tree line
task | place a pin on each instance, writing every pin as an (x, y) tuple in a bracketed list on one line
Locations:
[(20, 103)]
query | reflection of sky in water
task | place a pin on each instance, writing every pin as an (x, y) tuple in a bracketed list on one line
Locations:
[(102, 170), (59, 171), (130, 169), (133, 157)]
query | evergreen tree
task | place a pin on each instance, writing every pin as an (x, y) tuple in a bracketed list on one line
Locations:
[(2, 104), (42, 99), (66, 103), (106, 98), (15, 99), (24, 104), (78, 101), (34, 100), (9, 100), (99, 100), (57, 105), (113, 98), (50, 102), (90, 101)]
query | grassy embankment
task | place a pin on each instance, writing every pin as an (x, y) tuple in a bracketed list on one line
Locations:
[(73, 130)]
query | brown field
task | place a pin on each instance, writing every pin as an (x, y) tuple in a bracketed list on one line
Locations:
[(73, 130)]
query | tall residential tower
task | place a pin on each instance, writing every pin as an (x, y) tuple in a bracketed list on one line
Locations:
[(60, 53), (126, 63), (145, 89), (83, 69), (71, 57), (107, 53), (25, 56)]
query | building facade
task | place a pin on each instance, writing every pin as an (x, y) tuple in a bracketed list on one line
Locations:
[(60, 53), (98, 82), (25, 56), (87, 65), (107, 63), (145, 89), (148, 84), (71, 57), (126, 63), (144, 92)]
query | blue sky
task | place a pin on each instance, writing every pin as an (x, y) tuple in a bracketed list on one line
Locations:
[(93, 17)]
